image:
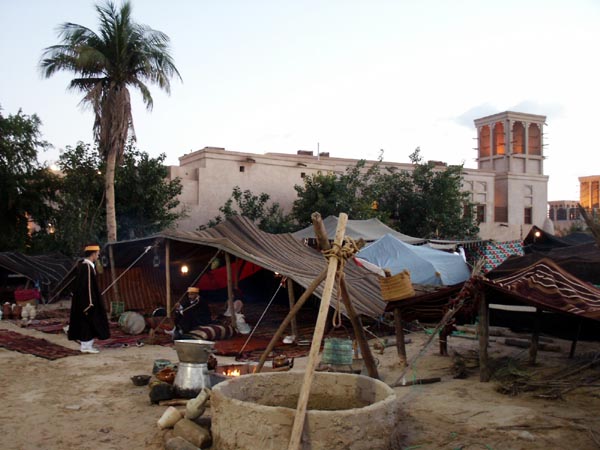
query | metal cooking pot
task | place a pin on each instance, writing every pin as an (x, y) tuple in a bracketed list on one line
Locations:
[(194, 351)]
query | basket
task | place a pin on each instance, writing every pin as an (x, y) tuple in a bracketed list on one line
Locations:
[(396, 287)]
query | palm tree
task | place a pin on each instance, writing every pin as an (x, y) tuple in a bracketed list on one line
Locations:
[(122, 54)]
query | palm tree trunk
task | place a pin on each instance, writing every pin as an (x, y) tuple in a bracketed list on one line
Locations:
[(111, 215)]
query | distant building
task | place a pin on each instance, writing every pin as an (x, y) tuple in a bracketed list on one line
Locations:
[(564, 215), (508, 186), (589, 193)]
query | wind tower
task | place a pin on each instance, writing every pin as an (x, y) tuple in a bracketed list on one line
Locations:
[(510, 144)]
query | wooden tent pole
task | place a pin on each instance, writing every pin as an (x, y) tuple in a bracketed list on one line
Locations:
[(168, 275), (484, 334), (292, 299), (309, 291), (574, 343), (313, 357), (535, 336), (359, 332), (400, 344), (230, 291)]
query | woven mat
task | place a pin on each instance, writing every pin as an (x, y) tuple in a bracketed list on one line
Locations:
[(18, 342), (119, 339)]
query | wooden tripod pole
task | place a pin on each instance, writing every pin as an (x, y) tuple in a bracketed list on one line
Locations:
[(359, 331), (311, 364), (309, 291)]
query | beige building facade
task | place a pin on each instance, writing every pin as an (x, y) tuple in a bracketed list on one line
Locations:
[(508, 186), (564, 214), (589, 192)]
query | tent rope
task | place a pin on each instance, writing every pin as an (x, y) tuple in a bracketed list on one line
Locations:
[(341, 253), (263, 315)]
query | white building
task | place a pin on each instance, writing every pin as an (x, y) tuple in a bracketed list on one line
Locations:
[(508, 186)]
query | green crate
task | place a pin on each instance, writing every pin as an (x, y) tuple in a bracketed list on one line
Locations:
[(117, 308)]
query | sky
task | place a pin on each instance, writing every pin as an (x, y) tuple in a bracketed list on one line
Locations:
[(347, 77)]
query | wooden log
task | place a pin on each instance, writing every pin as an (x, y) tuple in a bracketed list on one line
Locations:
[(522, 343), (230, 291), (418, 381), (292, 300), (484, 370), (311, 364), (309, 291)]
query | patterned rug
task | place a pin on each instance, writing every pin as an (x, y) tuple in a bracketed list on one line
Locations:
[(18, 342)]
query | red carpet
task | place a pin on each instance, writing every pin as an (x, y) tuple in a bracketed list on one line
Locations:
[(34, 346)]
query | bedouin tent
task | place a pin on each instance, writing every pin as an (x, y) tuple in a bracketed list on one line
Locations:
[(538, 240), (426, 265), (151, 264), (41, 271), (582, 261), (369, 230)]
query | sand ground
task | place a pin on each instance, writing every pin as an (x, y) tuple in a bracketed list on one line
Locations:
[(88, 401)]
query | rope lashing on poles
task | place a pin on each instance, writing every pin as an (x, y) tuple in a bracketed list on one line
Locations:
[(342, 253)]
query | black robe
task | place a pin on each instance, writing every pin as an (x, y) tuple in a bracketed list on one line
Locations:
[(88, 315), (192, 314)]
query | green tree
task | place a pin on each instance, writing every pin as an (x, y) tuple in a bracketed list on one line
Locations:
[(270, 218), (331, 193), (426, 202), (123, 54), (146, 202), (26, 188), (79, 207)]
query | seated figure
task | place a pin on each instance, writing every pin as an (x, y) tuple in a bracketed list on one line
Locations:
[(191, 313)]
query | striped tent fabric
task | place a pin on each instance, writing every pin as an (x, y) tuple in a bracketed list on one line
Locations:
[(144, 286), (545, 285)]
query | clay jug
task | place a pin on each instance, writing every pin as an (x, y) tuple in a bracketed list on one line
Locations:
[(7, 310), (16, 311)]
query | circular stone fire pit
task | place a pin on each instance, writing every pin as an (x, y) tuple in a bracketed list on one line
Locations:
[(345, 412)]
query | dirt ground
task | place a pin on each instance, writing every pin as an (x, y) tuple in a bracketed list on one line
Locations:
[(88, 401)]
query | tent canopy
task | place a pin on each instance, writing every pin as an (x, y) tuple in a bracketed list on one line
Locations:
[(143, 286), (545, 285), (369, 230), (582, 261), (44, 271), (426, 265)]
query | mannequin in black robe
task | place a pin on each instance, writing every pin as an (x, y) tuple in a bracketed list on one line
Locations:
[(192, 312), (88, 318)]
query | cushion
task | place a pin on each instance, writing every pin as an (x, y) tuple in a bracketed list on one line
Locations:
[(212, 332)]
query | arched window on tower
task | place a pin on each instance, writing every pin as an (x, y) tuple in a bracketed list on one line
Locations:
[(518, 138), (498, 141), (573, 214), (484, 142), (534, 146)]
